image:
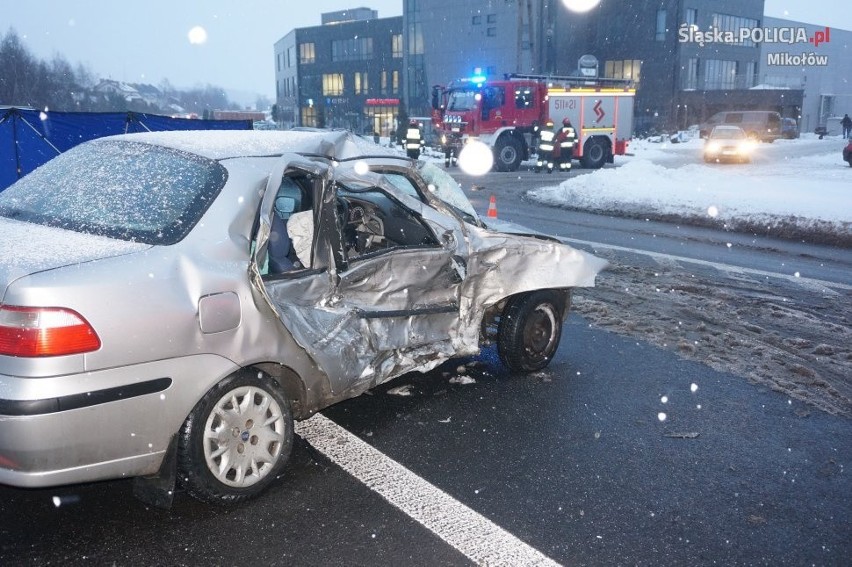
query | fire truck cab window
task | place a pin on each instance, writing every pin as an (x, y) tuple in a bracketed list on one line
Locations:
[(493, 97), (523, 98)]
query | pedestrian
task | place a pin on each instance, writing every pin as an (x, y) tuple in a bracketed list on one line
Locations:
[(847, 126)]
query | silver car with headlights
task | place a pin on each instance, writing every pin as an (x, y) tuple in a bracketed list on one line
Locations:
[(171, 302)]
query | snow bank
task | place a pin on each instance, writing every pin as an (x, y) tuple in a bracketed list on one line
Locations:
[(806, 194)]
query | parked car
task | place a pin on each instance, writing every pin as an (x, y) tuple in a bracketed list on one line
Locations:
[(763, 125), (147, 331), (728, 143), (847, 152)]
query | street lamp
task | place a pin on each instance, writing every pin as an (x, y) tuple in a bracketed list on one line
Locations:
[(580, 5)]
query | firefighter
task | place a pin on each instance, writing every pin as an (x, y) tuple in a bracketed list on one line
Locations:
[(545, 148), (414, 141), (450, 156), (563, 145)]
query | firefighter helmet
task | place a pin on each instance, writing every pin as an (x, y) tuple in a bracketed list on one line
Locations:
[(549, 124), (566, 121)]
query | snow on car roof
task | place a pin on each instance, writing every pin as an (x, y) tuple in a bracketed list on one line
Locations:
[(221, 144)]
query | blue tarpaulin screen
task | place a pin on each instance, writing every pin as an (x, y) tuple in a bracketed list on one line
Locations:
[(29, 138)]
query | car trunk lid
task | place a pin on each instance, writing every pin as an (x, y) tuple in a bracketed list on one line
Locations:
[(27, 248)]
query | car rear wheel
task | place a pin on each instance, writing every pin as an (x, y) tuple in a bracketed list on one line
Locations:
[(530, 330), (236, 441)]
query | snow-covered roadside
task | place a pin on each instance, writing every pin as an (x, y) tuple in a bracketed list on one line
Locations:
[(799, 197)]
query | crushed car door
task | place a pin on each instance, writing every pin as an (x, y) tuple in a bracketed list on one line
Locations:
[(379, 296)]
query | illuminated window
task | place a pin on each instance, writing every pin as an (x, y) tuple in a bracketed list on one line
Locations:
[(362, 83), (396, 46), (307, 53), (309, 116), (332, 84), (395, 82), (625, 69)]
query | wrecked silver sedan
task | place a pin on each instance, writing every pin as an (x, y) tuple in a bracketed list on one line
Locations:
[(171, 302)]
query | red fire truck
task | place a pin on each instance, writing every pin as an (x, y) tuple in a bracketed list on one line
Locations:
[(507, 115)]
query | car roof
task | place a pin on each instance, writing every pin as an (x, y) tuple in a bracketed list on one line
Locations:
[(726, 127), (222, 144)]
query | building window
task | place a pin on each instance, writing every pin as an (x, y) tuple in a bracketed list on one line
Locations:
[(332, 84), (355, 49), (661, 25), (491, 32), (309, 116), (395, 82), (750, 74), (691, 17), (690, 75), (415, 39), (307, 53), (396, 46), (728, 23), (362, 83), (476, 20), (720, 74), (384, 83), (626, 69), (382, 118), (491, 18)]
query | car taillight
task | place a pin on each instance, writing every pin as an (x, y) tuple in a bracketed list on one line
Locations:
[(44, 331)]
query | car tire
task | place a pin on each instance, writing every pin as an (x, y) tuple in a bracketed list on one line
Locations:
[(236, 441), (530, 330)]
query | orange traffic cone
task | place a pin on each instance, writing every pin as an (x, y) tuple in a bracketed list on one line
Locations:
[(492, 207)]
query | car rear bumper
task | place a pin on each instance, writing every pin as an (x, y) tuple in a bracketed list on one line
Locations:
[(117, 423)]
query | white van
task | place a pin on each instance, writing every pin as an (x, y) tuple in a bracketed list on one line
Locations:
[(763, 125)]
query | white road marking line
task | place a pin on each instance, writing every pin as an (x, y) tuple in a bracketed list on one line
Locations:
[(717, 265), (478, 538)]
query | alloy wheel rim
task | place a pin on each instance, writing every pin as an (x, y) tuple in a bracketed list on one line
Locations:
[(244, 436)]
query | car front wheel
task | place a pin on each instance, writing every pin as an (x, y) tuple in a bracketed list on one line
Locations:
[(236, 441), (530, 330)]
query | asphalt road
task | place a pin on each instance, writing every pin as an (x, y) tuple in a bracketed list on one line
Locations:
[(575, 461), (620, 453)]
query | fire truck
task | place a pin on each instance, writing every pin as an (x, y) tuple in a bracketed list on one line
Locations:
[(508, 114)]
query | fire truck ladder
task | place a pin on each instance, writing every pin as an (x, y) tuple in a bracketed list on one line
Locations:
[(572, 81)]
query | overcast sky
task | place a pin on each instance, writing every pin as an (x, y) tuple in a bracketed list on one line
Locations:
[(147, 42)]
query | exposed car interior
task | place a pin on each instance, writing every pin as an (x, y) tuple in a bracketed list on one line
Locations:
[(373, 221)]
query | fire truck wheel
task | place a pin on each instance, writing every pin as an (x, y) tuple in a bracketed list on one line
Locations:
[(508, 154), (594, 154)]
